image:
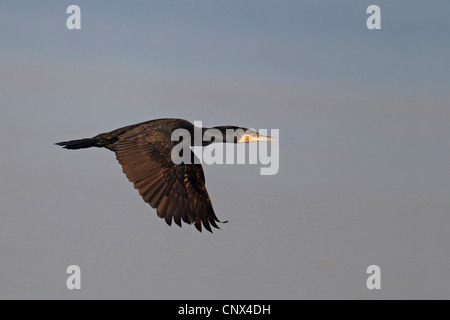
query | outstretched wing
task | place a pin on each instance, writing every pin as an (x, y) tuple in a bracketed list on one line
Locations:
[(177, 192)]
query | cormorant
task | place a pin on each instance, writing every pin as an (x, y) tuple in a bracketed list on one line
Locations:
[(176, 191)]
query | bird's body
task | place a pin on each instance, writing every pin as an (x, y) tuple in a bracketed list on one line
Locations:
[(176, 191)]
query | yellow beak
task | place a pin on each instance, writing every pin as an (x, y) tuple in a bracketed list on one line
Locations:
[(246, 138)]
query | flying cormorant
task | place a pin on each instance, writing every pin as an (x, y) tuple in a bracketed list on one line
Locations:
[(144, 150)]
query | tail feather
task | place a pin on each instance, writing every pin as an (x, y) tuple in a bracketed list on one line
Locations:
[(78, 144)]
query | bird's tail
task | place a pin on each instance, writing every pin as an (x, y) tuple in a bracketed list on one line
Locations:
[(78, 144)]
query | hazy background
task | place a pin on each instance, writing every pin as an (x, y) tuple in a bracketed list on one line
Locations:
[(364, 146)]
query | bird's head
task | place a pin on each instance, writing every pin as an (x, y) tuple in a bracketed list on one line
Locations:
[(233, 134), (249, 135)]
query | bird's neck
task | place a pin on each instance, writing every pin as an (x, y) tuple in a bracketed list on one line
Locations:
[(218, 134)]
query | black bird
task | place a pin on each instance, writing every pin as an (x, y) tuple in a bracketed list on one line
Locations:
[(144, 150)]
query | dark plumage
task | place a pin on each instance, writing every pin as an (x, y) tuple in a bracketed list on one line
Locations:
[(177, 192)]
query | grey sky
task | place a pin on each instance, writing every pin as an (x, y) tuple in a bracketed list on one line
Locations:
[(364, 148)]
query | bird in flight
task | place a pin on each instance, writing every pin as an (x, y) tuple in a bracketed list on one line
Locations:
[(176, 191)]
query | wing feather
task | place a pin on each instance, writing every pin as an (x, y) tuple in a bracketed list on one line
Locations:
[(177, 192)]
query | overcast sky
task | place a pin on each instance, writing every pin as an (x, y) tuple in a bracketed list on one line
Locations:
[(364, 148)]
